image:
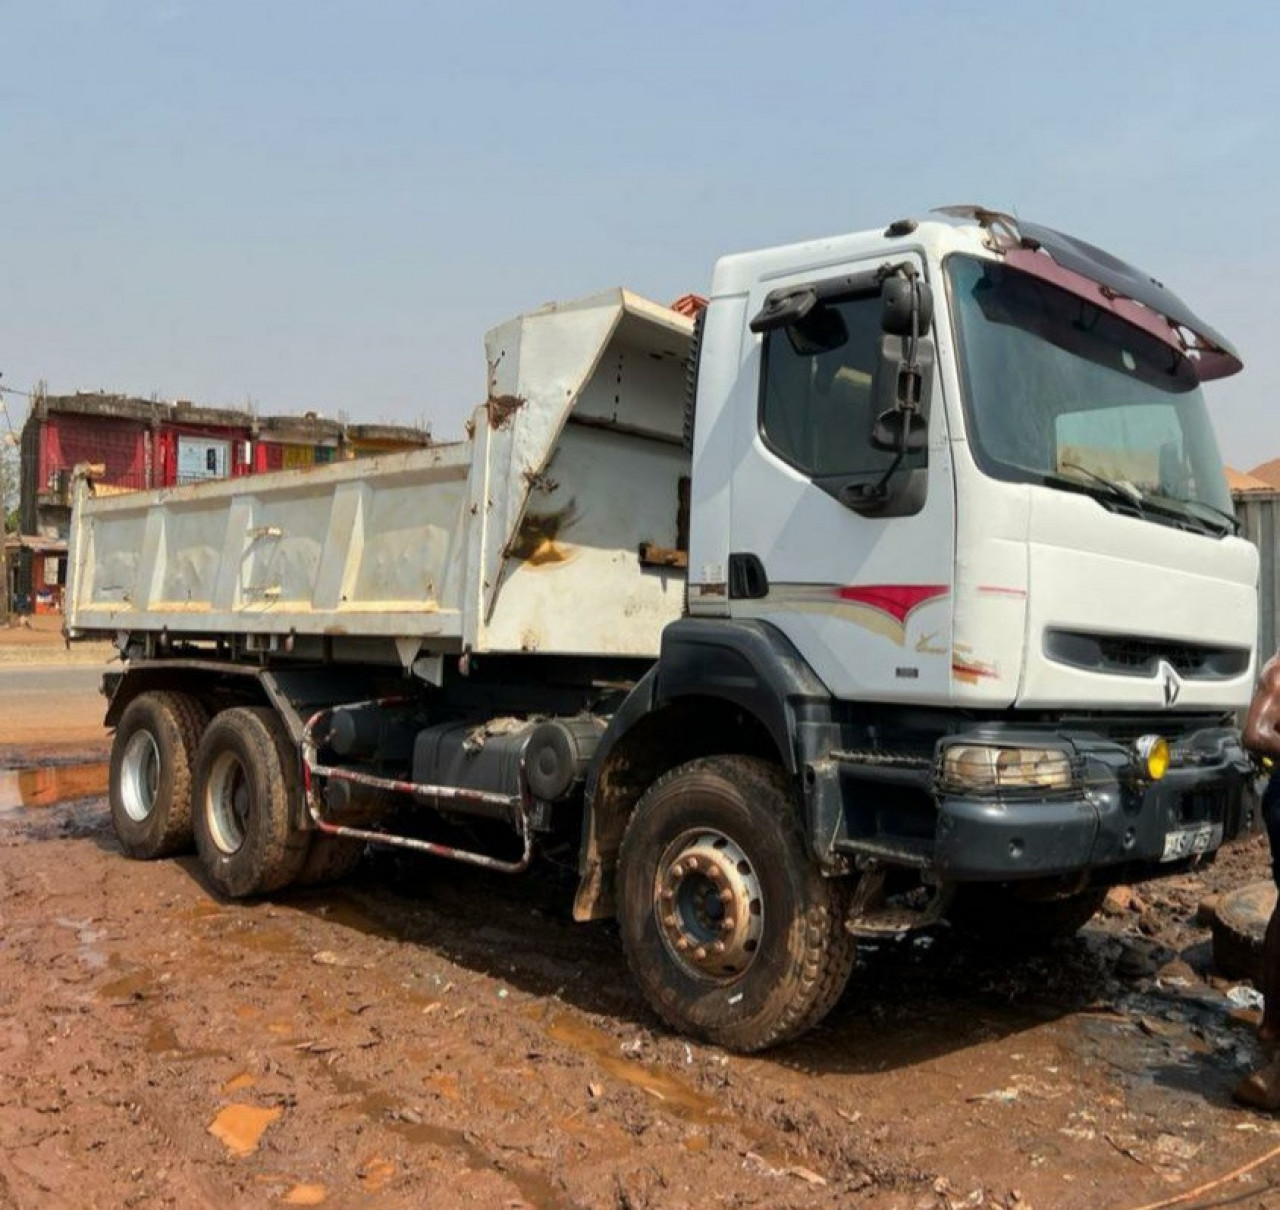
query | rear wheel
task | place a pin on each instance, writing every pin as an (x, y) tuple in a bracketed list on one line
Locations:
[(150, 785), (729, 928), (246, 783)]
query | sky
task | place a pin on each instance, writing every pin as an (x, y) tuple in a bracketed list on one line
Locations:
[(310, 204)]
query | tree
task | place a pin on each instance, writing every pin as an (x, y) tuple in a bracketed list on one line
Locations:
[(8, 514), (8, 483)]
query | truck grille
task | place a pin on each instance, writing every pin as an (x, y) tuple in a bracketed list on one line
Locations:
[(1132, 655)]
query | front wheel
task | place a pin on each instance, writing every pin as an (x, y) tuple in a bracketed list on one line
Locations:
[(728, 926)]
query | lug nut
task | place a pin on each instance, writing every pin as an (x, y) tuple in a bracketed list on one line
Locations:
[(693, 863), (677, 870), (726, 896), (669, 920), (700, 954), (682, 943), (728, 924), (668, 894), (718, 947)]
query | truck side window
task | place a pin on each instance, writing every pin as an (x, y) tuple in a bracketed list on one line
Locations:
[(816, 410)]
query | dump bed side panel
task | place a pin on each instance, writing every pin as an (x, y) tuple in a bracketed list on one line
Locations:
[(363, 548)]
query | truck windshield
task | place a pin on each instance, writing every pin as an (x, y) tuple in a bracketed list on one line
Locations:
[(1057, 391)]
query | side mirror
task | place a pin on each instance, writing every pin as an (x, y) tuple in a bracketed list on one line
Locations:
[(897, 301), (903, 389), (895, 431), (783, 310), (820, 331)]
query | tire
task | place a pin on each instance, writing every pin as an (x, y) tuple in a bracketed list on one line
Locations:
[(996, 915), (1239, 928), (329, 859), (150, 783), (246, 783), (730, 822)]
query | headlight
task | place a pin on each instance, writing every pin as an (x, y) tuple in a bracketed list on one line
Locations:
[(991, 767)]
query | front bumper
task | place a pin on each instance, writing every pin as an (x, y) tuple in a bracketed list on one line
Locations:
[(1114, 819)]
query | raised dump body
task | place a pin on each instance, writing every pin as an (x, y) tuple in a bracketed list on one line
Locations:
[(525, 537)]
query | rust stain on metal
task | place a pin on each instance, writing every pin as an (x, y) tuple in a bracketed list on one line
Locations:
[(501, 408), (970, 671), (540, 481), (652, 555), (537, 540)]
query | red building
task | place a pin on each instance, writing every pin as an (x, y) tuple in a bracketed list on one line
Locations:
[(192, 444), (141, 444)]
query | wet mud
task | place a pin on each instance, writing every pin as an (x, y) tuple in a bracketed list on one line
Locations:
[(429, 1035)]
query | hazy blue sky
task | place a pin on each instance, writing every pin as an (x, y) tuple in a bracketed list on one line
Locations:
[(323, 204)]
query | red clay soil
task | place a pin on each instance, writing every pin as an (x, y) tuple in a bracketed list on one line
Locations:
[(427, 1035)]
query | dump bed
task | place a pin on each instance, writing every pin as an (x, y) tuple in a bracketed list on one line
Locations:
[(524, 537)]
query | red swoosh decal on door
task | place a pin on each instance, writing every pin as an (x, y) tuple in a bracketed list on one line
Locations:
[(896, 600)]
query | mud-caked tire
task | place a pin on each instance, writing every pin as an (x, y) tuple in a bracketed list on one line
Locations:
[(329, 858), (151, 776), (998, 916), (715, 854), (246, 788)]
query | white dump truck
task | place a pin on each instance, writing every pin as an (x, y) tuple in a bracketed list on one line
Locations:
[(902, 586)]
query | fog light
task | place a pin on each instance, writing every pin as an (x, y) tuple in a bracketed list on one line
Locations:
[(1152, 752)]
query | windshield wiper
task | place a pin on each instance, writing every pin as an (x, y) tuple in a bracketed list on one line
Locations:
[(1232, 521), (1117, 487), (1130, 493)]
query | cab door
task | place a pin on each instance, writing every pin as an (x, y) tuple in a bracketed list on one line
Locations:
[(864, 596)]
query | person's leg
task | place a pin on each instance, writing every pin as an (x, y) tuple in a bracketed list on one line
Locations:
[(1269, 1030), (1262, 1088)]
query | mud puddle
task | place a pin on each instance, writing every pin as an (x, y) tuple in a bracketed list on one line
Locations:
[(380, 1106), (679, 1098), (33, 788)]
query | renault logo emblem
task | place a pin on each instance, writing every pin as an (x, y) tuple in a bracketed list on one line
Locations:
[(1170, 684)]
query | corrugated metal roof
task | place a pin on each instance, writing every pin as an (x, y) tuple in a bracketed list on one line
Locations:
[(1268, 473), (1239, 481)]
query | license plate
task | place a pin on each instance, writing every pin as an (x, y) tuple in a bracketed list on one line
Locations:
[(1190, 842)]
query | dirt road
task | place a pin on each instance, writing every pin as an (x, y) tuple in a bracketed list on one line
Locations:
[(428, 1035)]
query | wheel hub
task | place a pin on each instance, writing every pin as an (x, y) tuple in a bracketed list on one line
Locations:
[(139, 775), (228, 803), (709, 905)]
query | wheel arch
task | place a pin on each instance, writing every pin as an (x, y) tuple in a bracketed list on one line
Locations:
[(720, 688)]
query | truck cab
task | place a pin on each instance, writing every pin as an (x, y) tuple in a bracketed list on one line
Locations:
[(1040, 590)]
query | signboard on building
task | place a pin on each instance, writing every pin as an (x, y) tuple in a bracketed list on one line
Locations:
[(203, 458)]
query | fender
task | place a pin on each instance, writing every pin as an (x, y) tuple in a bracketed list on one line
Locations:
[(748, 666), (747, 662)]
